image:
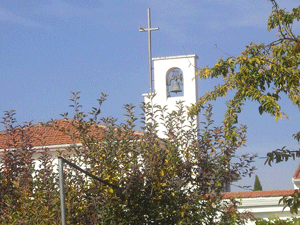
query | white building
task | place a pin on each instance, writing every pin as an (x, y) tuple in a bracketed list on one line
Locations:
[(172, 74), (167, 70), (263, 204)]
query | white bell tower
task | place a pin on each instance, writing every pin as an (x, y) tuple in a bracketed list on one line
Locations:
[(174, 80)]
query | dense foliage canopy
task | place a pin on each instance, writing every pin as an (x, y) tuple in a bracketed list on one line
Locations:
[(261, 73), (176, 180)]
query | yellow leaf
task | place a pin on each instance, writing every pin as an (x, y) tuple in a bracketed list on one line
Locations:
[(162, 173), (110, 190), (163, 184), (276, 117), (172, 193)]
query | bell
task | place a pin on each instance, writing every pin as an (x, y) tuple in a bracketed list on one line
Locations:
[(175, 87)]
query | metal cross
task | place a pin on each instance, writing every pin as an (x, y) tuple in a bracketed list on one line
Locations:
[(149, 29)]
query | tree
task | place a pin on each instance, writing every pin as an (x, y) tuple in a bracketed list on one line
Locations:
[(257, 185), (261, 73), (175, 180), (27, 195)]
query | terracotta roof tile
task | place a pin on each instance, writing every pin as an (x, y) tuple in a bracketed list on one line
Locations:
[(38, 135), (256, 194), (54, 134)]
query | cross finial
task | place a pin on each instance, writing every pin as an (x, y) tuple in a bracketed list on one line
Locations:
[(149, 29)]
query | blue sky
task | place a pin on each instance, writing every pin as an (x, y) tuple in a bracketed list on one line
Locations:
[(51, 47)]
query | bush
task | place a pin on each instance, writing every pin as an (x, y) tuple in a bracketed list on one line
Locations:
[(176, 180)]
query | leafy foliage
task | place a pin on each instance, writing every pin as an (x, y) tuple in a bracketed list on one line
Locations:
[(28, 195), (261, 73), (177, 180), (277, 221), (292, 202)]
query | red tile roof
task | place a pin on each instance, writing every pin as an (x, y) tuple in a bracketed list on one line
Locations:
[(297, 172), (38, 135), (256, 194), (55, 133)]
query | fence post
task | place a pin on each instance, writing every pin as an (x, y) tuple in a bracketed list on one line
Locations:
[(62, 190)]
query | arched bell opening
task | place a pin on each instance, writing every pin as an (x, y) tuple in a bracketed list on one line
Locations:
[(174, 82)]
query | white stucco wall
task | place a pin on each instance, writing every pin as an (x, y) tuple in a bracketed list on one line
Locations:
[(52, 150), (264, 207), (296, 183)]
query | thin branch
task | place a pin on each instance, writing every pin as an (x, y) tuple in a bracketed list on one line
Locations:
[(88, 173), (225, 52)]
